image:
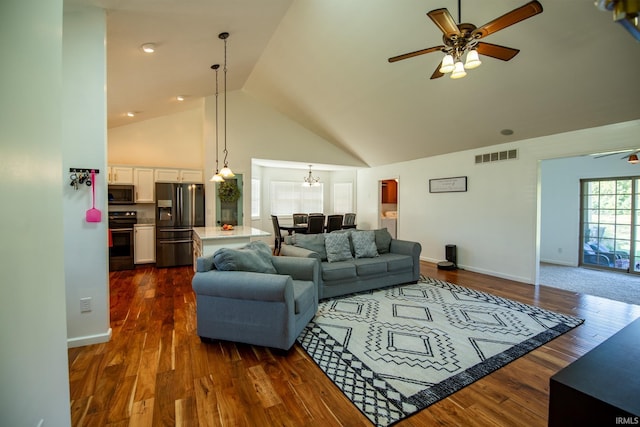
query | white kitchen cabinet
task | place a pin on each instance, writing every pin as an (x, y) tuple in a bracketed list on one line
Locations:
[(120, 175), (144, 181), (191, 175), (178, 175), (167, 175), (144, 246)]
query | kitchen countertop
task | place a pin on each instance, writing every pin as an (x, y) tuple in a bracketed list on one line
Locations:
[(215, 233)]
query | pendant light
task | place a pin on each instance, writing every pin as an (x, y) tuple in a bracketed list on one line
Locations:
[(216, 177), (226, 171)]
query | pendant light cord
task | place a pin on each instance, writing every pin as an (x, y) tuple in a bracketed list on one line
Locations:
[(225, 103), (215, 67), (459, 12)]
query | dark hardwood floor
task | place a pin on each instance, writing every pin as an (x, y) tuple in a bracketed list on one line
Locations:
[(155, 370)]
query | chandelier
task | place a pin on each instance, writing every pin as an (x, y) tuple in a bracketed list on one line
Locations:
[(226, 171), (311, 181), (216, 177)]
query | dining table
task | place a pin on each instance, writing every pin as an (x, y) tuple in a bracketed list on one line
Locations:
[(297, 228)]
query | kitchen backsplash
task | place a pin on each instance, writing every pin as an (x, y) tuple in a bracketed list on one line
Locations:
[(145, 211)]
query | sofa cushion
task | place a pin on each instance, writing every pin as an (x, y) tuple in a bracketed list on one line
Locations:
[(370, 266), (334, 271), (337, 246), (303, 295), (251, 257), (397, 262), (383, 240), (312, 242), (364, 244)]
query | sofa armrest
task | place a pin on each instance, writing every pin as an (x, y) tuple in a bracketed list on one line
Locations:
[(405, 247), (413, 249), (204, 263), (298, 268), (243, 285), (296, 251)]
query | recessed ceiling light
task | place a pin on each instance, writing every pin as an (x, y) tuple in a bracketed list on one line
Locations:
[(148, 47), (180, 97), (506, 132), (131, 114)]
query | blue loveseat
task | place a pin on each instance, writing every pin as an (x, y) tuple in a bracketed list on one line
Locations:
[(247, 295)]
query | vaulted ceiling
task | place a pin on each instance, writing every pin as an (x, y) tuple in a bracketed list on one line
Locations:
[(324, 64)]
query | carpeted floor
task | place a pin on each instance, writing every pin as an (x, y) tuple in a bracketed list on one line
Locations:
[(616, 286), (397, 350)]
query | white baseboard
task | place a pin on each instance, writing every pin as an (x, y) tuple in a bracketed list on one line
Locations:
[(556, 262), (487, 272), (89, 339)]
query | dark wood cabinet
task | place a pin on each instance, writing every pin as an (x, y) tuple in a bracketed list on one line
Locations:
[(389, 191)]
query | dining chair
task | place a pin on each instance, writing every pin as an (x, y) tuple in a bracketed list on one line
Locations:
[(334, 222), (278, 233), (315, 224), (316, 214), (300, 218), (349, 220)]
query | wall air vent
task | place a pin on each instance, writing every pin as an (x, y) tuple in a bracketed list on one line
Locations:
[(496, 156)]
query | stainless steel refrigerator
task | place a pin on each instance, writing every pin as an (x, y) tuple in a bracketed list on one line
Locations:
[(179, 208)]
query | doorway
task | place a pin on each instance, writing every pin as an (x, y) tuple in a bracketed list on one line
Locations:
[(609, 218), (388, 207)]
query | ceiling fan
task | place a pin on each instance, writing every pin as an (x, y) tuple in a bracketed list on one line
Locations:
[(464, 37), (631, 157)]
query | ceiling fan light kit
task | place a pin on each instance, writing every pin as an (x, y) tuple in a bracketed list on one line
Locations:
[(625, 12), (464, 38)]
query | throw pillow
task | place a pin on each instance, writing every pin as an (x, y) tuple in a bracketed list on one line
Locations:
[(364, 243), (337, 245), (312, 242), (249, 258), (348, 232), (383, 240)]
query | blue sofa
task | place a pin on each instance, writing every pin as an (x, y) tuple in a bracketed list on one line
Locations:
[(391, 262), (254, 307)]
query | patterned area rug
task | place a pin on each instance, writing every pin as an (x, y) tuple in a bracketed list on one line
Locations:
[(397, 350)]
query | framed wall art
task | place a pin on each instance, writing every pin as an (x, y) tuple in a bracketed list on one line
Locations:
[(448, 185)]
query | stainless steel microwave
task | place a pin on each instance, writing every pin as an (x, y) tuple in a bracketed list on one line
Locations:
[(121, 195)]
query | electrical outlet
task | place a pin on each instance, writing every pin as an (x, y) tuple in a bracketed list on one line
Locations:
[(85, 305)]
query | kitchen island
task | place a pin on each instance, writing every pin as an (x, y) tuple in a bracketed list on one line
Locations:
[(207, 240)]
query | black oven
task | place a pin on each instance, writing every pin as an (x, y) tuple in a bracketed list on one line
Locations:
[(121, 194), (121, 240)]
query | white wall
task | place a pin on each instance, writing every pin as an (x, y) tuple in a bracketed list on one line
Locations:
[(33, 358), (560, 203), (84, 136), (495, 223), (174, 141), (257, 131)]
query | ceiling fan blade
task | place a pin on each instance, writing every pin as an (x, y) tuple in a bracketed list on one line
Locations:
[(496, 51), (443, 19), (626, 156), (416, 53), (437, 74), (516, 15), (613, 153)]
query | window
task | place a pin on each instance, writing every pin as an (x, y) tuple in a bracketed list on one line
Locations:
[(289, 197), (342, 197), (609, 221), (255, 198)]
